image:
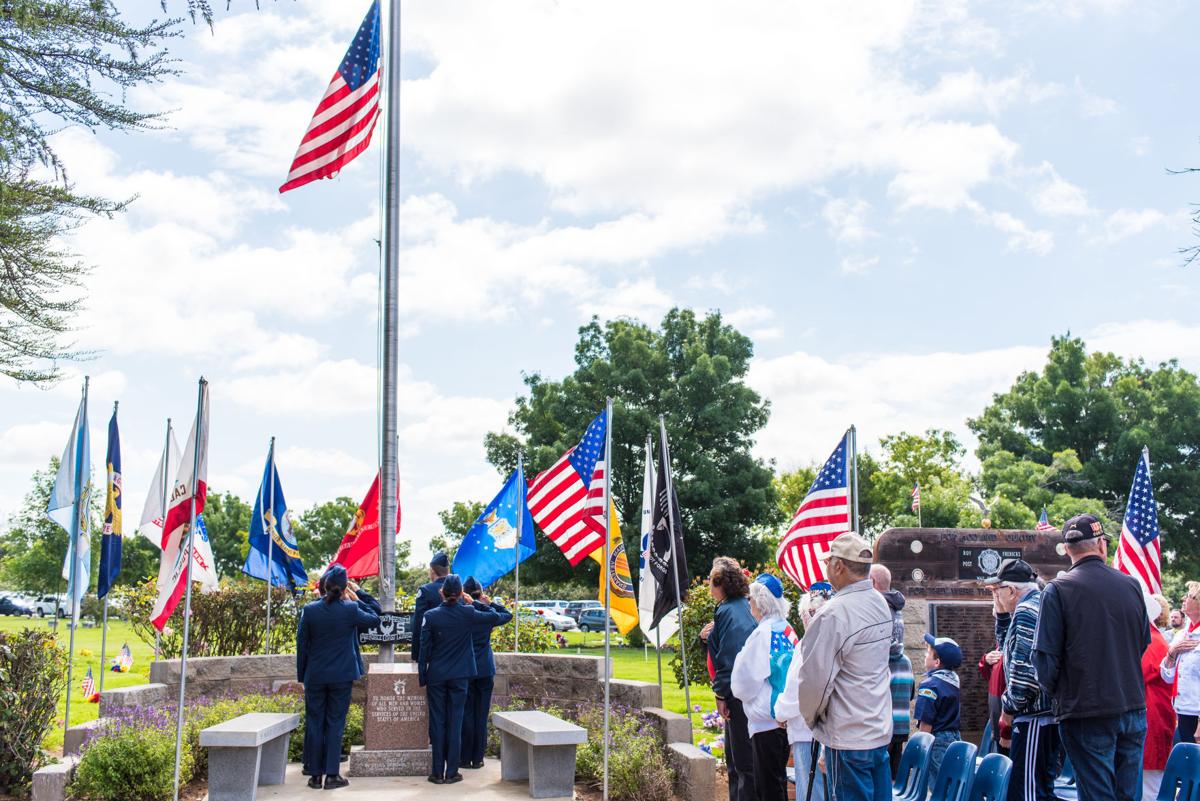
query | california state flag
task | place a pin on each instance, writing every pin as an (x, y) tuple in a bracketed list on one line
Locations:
[(172, 566)]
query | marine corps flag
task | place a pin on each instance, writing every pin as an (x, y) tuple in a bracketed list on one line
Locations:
[(359, 551), (666, 540), (622, 605)]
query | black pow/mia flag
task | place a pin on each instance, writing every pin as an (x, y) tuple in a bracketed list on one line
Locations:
[(666, 540)]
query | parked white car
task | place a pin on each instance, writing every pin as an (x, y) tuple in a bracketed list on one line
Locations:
[(553, 619), (48, 605)]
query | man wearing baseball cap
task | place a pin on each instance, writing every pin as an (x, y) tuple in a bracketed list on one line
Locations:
[(1088, 649), (843, 687), (1017, 605)]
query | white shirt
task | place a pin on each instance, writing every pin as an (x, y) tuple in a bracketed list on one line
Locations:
[(1187, 665), (787, 708), (751, 677)]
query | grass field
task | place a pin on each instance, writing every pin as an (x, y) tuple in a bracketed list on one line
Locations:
[(628, 663)]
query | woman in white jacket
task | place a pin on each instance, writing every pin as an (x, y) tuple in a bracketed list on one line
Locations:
[(759, 674), (787, 708)]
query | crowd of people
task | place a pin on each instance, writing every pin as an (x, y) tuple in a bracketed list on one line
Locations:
[(1089, 674), (1087, 670)]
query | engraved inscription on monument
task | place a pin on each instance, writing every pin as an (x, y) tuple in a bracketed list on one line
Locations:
[(397, 714)]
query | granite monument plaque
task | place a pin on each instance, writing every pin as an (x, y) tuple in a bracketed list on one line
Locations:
[(396, 725)]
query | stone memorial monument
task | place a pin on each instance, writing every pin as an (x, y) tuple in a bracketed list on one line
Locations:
[(940, 571), (396, 725)]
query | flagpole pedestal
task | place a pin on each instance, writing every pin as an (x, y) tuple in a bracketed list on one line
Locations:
[(396, 724)]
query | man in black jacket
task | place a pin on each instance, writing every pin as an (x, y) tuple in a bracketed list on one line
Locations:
[(1088, 651)]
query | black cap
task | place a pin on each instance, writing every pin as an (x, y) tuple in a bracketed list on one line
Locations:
[(440, 560), (452, 585), (1012, 571), (1082, 527), (471, 586)]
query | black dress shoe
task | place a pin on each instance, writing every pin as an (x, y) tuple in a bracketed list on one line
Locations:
[(468, 765), (304, 771), (334, 782), (315, 782), (457, 777), (436, 780), (479, 764)]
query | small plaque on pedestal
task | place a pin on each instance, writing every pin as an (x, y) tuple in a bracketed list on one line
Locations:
[(396, 726)]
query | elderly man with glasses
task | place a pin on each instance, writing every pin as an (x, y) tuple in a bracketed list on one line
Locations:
[(1017, 603)]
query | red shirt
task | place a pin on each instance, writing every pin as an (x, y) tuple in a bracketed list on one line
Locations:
[(1160, 715)]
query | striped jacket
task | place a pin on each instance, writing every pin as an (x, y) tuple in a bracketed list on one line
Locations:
[(1015, 634)]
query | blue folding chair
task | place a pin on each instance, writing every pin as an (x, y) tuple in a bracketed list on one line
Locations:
[(953, 781), (1065, 788), (912, 774), (1181, 778), (991, 779), (986, 744)]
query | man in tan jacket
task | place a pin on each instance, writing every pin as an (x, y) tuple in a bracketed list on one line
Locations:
[(844, 690)]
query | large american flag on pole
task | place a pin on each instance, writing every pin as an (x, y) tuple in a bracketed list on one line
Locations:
[(1139, 551), (822, 516), (342, 124), (567, 501)]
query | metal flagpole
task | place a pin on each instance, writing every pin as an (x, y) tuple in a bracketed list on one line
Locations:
[(854, 469), (608, 465), (104, 624), (201, 435), (658, 653), (270, 534), (165, 486), (388, 439), (687, 692), (73, 550), (517, 591)]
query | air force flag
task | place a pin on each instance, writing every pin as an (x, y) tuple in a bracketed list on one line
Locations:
[(490, 549)]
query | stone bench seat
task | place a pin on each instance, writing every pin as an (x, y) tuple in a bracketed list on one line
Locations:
[(539, 748), (247, 752)]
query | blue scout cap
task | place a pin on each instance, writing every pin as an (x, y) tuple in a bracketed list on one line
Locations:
[(947, 650), (771, 583)]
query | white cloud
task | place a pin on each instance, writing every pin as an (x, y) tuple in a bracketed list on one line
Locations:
[(1094, 105), (847, 220), (1060, 198), (1124, 223), (857, 265), (1020, 235), (748, 315)]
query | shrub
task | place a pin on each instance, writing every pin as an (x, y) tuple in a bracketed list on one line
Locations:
[(136, 765), (536, 638), (33, 675)]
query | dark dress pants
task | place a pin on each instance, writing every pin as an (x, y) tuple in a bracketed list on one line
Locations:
[(739, 754), (325, 708), (475, 719), (447, 700), (770, 764)]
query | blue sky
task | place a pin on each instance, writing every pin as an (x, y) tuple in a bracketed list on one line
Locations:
[(900, 202)]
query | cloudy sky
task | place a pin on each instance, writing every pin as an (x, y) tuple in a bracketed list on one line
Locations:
[(900, 202)]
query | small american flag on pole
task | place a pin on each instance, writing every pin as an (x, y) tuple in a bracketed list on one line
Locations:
[(567, 501), (89, 684), (342, 124), (916, 497), (822, 516), (1139, 551), (1044, 523)]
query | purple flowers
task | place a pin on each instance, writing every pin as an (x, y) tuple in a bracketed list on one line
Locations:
[(712, 720)]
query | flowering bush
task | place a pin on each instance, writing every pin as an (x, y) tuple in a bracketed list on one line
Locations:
[(137, 765), (33, 675), (712, 720), (715, 746)]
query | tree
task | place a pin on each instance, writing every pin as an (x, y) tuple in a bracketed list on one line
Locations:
[(227, 520), (456, 522), (1100, 410), (692, 371), (319, 530), (61, 61)]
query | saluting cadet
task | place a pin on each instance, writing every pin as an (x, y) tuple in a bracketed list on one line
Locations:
[(428, 598), (479, 691), (447, 664)]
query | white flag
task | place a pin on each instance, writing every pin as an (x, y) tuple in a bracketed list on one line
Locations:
[(172, 566), (647, 586), (61, 509), (152, 513)]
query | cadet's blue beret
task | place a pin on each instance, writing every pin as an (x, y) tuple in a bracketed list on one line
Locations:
[(452, 585), (471, 585), (439, 560)]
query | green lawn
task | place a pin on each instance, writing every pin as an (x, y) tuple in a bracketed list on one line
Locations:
[(628, 663)]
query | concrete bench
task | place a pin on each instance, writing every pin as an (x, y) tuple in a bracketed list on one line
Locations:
[(539, 748), (246, 752)]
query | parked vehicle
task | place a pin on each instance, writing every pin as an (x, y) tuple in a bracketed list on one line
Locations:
[(575, 607), (11, 607), (48, 605), (554, 606), (593, 620), (554, 620)]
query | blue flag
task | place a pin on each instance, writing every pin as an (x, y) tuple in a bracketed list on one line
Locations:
[(110, 542), (69, 497), (489, 550), (270, 520)]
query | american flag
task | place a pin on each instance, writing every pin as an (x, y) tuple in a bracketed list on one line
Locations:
[(824, 514), (89, 684), (916, 497), (342, 124), (1044, 523), (1139, 550), (567, 501)]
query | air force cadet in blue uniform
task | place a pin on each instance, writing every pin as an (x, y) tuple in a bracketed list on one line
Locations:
[(446, 666), (479, 691), (428, 598), (328, 663)]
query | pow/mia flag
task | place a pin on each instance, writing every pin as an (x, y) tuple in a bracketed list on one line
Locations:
[(666, 549)]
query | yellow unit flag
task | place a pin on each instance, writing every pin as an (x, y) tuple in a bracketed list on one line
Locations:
[(624, 608)]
